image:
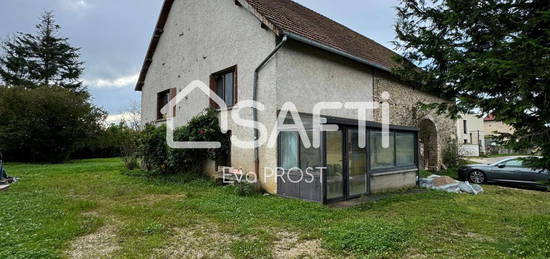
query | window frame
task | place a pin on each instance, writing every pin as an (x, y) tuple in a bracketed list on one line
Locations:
[(300, 149), (415, 149), (170, 94), (280, 151), (370, 169), (160, 96), (395, 167), (214, 86), (370, 145)]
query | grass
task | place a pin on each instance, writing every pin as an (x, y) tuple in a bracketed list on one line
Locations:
[(366, 237), (54, 207)]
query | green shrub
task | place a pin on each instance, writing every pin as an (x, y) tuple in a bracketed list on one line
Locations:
[(245, 189), (45, 124), (131, 161), (158, 156), (451, 158), (116, 140), (374, 237)]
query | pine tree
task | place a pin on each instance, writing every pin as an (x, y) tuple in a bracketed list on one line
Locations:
[(489, 55), (41, 59)]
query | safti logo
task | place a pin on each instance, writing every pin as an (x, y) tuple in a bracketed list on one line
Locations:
[(365, 111), (170, 123)]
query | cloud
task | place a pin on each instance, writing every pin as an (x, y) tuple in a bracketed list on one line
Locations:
[(112, 83), (128, 117), (76, 4)]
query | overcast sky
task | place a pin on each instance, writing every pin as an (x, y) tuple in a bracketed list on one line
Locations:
[(114, 35)]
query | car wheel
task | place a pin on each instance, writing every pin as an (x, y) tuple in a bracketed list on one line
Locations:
[(477, 177)]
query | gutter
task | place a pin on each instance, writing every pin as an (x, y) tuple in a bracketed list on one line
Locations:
[(313, 43), (255, 110)]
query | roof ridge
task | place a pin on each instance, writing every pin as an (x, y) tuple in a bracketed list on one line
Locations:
[(293, 17)]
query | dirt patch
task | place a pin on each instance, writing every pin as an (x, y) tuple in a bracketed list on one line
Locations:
[(472, 235), (289, 245), (93, 214), (100, 244), (152, 199), (198, 241)]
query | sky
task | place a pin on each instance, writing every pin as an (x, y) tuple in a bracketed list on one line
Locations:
[(113, 35)]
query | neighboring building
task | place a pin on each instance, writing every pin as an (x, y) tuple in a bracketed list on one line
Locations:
[(470, 135), (223, 42), (494, 128)]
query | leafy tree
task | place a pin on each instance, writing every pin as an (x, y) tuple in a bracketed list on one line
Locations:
[(41, 59), (110, 141), (491, 55), (45, 124)]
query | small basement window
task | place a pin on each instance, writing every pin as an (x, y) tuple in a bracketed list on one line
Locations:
[(224, 84)]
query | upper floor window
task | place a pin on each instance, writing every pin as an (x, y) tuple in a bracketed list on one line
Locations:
[(465, 126), (224, 84), (162, 100)]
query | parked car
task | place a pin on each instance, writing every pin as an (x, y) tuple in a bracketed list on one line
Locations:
[(511, 170)]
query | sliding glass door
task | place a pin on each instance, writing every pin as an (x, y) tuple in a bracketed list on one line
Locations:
[(346, 165), (335, 166), (357, 164)]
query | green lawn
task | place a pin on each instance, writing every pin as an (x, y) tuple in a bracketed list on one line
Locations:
[(90, 208)]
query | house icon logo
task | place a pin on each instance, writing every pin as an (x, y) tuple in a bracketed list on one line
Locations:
[(170, 122)]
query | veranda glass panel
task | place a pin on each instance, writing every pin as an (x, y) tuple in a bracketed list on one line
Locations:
[(289, 150), (310, 157), (404, 144), (357, 164), (335, 170), (380, 157)]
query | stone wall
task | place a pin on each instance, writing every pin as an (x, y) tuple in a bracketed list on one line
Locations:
[(469, 150), (404, 110)]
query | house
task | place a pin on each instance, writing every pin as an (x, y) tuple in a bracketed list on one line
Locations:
[(277, 51), (470, 132), (494, 128)]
